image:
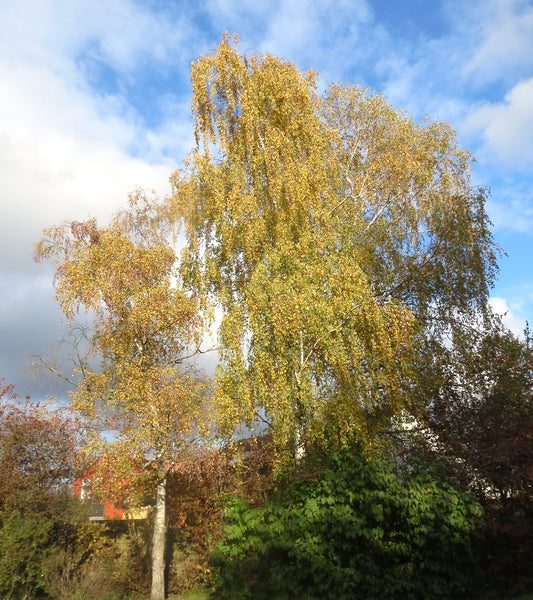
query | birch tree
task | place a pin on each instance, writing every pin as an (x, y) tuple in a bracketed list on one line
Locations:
[(145, 326), (334, 234)]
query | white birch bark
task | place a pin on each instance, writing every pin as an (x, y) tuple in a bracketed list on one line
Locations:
[(158, 542)]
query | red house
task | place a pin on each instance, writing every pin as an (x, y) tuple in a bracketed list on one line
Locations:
[(97, 511)]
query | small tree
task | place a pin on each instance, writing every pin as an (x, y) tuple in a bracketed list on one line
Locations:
[(480, 408), (46, 542), (145, 327)]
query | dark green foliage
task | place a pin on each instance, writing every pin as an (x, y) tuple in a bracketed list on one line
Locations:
[(24, 548), (362, 530), (506, 548)]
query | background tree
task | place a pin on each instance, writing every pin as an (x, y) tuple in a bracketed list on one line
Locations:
[(481, 411), (479, 416), (145, 327), (334, 234), (38, 452), (197, 496)]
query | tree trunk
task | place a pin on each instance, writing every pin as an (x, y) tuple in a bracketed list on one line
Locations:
[(158, 541)]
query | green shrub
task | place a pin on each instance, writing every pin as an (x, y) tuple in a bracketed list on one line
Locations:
[(360, 531), (46, 540), (47, 554)]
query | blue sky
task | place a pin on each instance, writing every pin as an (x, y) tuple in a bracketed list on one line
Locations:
[(94, 102)]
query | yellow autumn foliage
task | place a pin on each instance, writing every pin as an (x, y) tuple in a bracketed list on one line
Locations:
[(332, 232)]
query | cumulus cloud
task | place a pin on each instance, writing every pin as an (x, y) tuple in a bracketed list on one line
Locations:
[(121, 33), (509, 316), (61, 157), (506, 39), (69, 149), (506, 126), (511, 209)]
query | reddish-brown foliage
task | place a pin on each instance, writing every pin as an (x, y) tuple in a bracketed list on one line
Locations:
[(37, 449)]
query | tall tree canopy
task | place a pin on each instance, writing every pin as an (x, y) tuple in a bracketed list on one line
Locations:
[(144, 328), (333, 233)]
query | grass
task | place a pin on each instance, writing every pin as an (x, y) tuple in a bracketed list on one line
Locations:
[(205, 595), (202, 594), (195, 595)]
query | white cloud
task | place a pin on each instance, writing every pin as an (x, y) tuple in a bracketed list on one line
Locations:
[(68, 151), (506, 126), (61, 156), (122, 33), (334, 35), (512, 210), (510, 320), (506, 44)]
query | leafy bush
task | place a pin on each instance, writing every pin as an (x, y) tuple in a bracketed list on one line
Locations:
[(46, 540), (360, 531)]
